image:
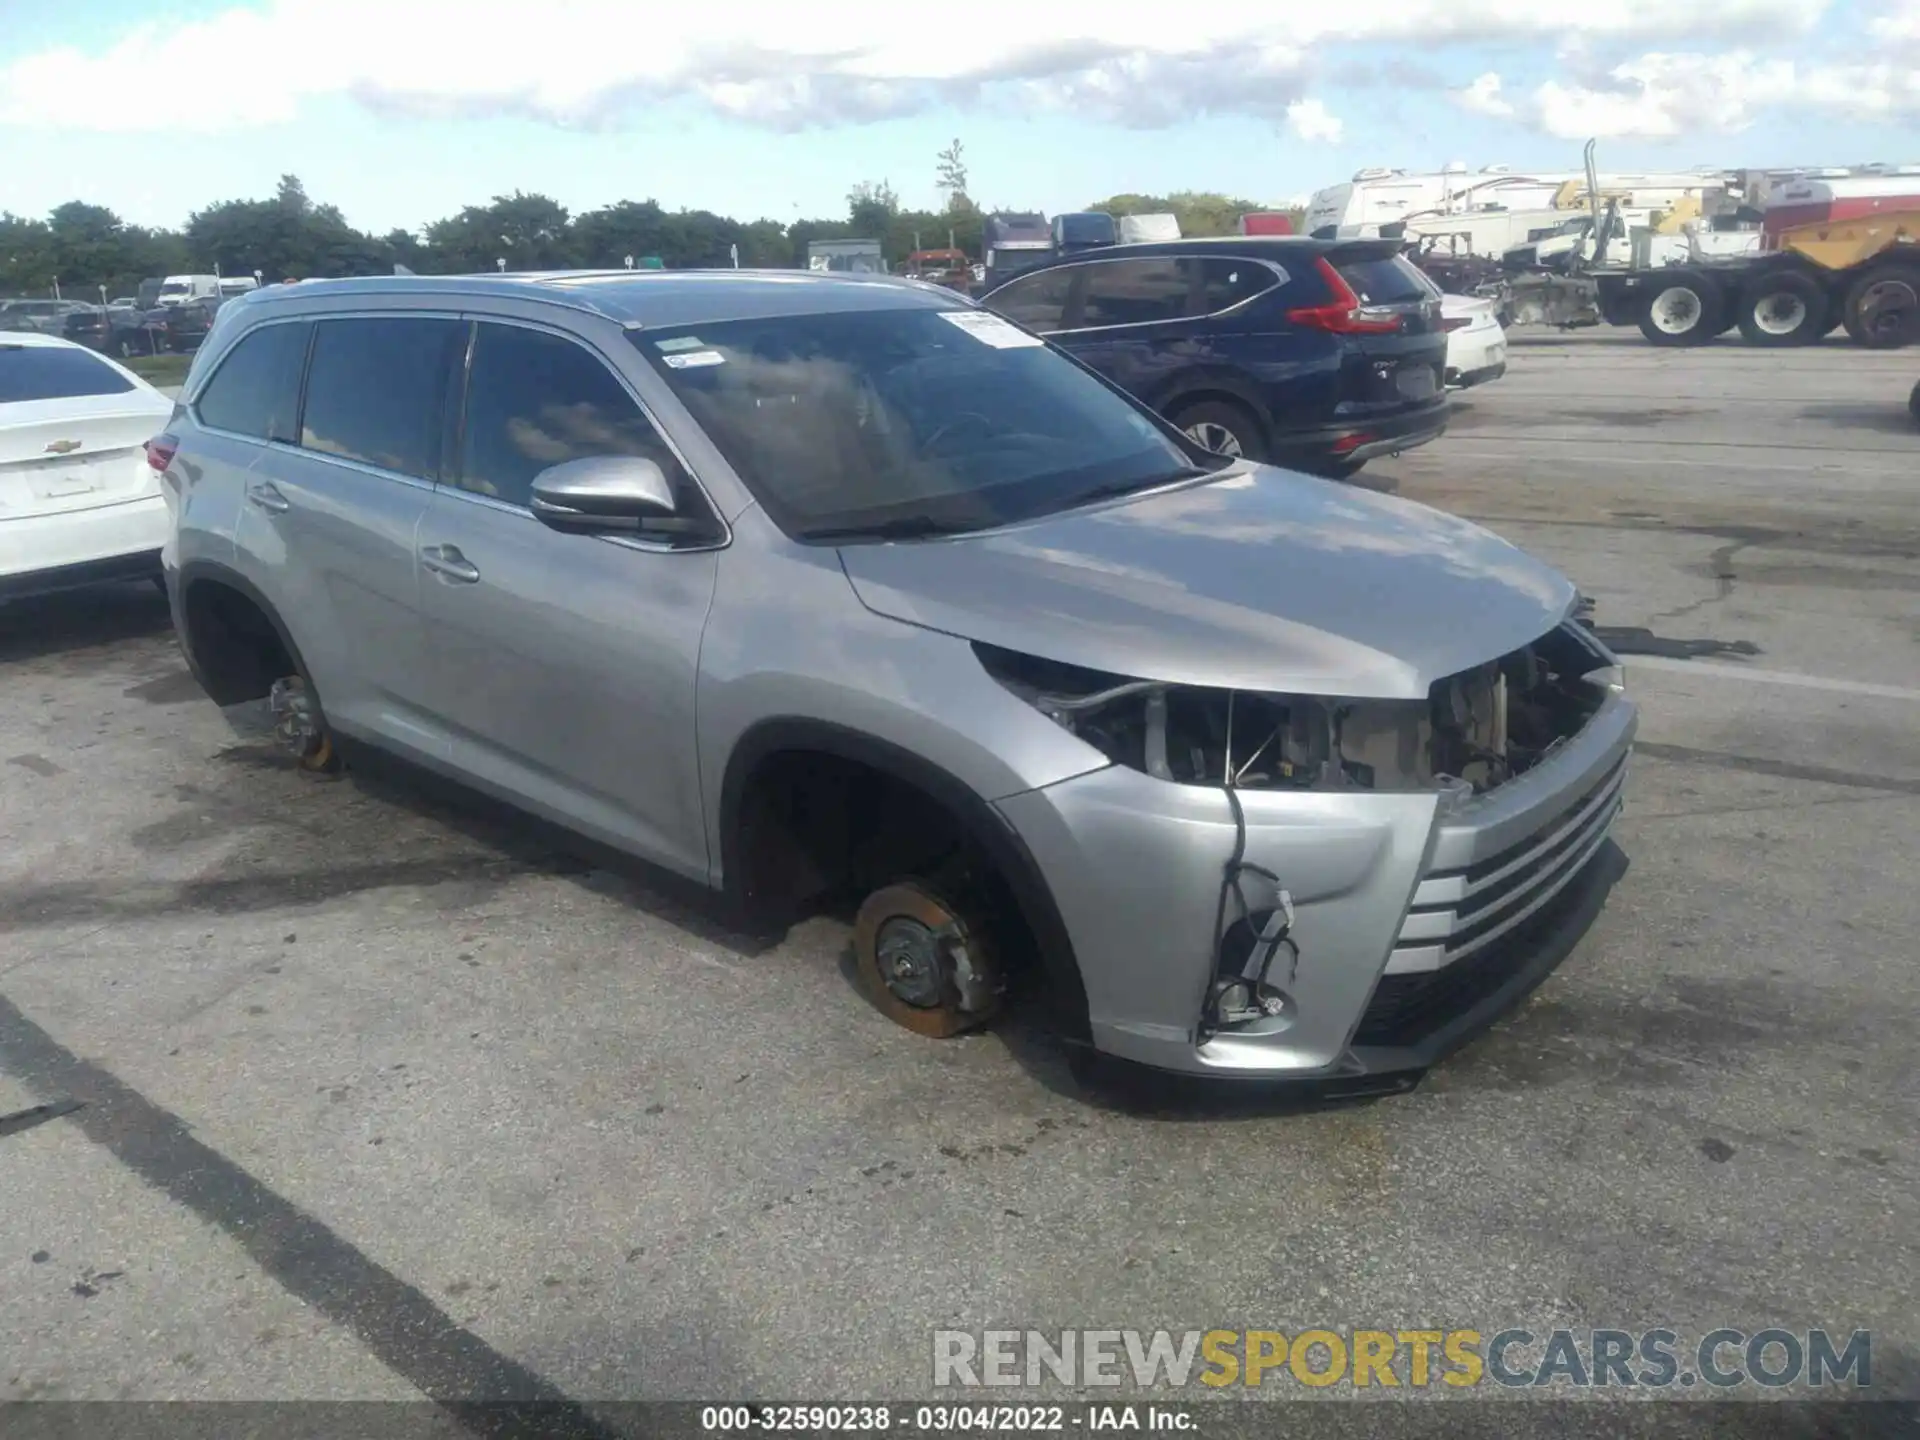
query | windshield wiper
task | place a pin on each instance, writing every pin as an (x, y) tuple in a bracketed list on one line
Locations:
[(907, 527), (1113, 489)]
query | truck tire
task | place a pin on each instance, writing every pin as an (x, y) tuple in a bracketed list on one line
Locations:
[(1784, 308), (1882, 308), (1683, 308), (1913, 404)]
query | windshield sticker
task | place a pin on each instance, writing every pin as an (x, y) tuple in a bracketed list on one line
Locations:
[(990, 329), (678, 343), (696, 360)]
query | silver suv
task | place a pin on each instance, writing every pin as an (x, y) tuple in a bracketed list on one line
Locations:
[(840, 591)]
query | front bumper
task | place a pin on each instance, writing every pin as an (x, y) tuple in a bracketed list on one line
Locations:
[(1415, 929)]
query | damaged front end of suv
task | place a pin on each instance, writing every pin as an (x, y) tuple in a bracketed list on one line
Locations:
[(1372, 846)]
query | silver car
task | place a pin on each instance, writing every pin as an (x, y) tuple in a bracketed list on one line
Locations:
[(838, 591)]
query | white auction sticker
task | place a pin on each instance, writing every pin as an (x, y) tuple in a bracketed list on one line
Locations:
[(990, 329), (696, 360), (679, 342)]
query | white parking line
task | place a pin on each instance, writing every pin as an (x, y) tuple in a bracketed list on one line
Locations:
[(1767, 677)]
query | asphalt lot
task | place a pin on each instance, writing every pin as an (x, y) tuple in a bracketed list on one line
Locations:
[(385, 1097)]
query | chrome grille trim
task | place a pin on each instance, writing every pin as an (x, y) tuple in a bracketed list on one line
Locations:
[(1457, 912)]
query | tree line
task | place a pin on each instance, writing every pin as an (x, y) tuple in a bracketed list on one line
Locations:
[(83, 248)]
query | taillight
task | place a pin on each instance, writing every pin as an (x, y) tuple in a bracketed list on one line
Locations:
[(1344, 314), (1458, 322), (160, 452)]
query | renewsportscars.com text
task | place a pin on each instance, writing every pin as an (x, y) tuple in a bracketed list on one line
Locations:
[(1411, 1358)]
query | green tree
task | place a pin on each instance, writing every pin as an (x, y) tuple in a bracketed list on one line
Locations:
[(529, 232), (950, 175), (871, 208)]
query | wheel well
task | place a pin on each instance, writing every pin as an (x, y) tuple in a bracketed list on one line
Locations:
[(815, 817), (237, 647)]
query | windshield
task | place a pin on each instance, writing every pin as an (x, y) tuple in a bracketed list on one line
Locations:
[(54, 372), (907, 421), (173, 288)]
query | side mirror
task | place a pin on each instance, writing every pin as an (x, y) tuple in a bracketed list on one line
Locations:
[(604, 494)]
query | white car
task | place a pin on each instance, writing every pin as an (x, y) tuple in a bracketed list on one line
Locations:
[(80, 500), (1476, 345)]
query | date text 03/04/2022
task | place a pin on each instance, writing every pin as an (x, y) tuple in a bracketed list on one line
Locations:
[(943, 1419)]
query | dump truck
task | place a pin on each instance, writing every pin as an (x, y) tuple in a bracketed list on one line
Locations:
[(1834, 253), (1831, 252)]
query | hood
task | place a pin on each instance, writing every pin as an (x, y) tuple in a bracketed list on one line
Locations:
[(1260, 580)]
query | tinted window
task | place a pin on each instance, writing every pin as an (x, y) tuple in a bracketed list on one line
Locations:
[(911, 420), (1389, 280), (1134, 292), (376, 391), (1228, 282), (256, 390), (54, 372), (1038, 301), (535, 400)]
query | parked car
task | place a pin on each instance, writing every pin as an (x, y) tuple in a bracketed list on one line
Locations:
[(1256, 775), (1314, 354), (88, 325), (47, 317), (79, 501), (1476, 344), (181, 326)]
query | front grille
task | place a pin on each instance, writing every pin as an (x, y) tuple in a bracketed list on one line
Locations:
[(1406, 1009), (1469, 929)]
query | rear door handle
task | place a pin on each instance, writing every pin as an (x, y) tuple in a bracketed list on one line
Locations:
[(448, 563), (264, 494)]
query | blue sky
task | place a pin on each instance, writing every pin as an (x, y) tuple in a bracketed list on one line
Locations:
[(400, 111)]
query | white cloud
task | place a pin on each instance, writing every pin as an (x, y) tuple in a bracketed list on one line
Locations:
[(782, 65), (1312, 121), (1483, 97)]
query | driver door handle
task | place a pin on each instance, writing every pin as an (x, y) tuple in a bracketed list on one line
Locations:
[(448, 563)]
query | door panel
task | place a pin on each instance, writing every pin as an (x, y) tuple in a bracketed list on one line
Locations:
[(332, 544), (563, 672), (563, 666)]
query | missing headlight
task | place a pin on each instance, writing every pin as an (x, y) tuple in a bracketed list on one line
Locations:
[(1476, 730)]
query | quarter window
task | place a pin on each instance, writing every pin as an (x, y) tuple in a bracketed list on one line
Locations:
[(256, 390), (1228, 282), (377, 391), (536, 399)]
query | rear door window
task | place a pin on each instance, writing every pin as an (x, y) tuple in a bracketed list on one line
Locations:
[(1383, 280), (256, 390), (54, 372), (1039, 301), (536, 399), (377, 390), (1134, 292)]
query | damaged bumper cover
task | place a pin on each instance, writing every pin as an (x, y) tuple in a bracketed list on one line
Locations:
[(1420, 915)]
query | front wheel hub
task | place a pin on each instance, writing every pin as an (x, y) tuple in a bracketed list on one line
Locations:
[(924, 961)]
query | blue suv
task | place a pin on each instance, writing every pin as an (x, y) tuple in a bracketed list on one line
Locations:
[(1316, 354)]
